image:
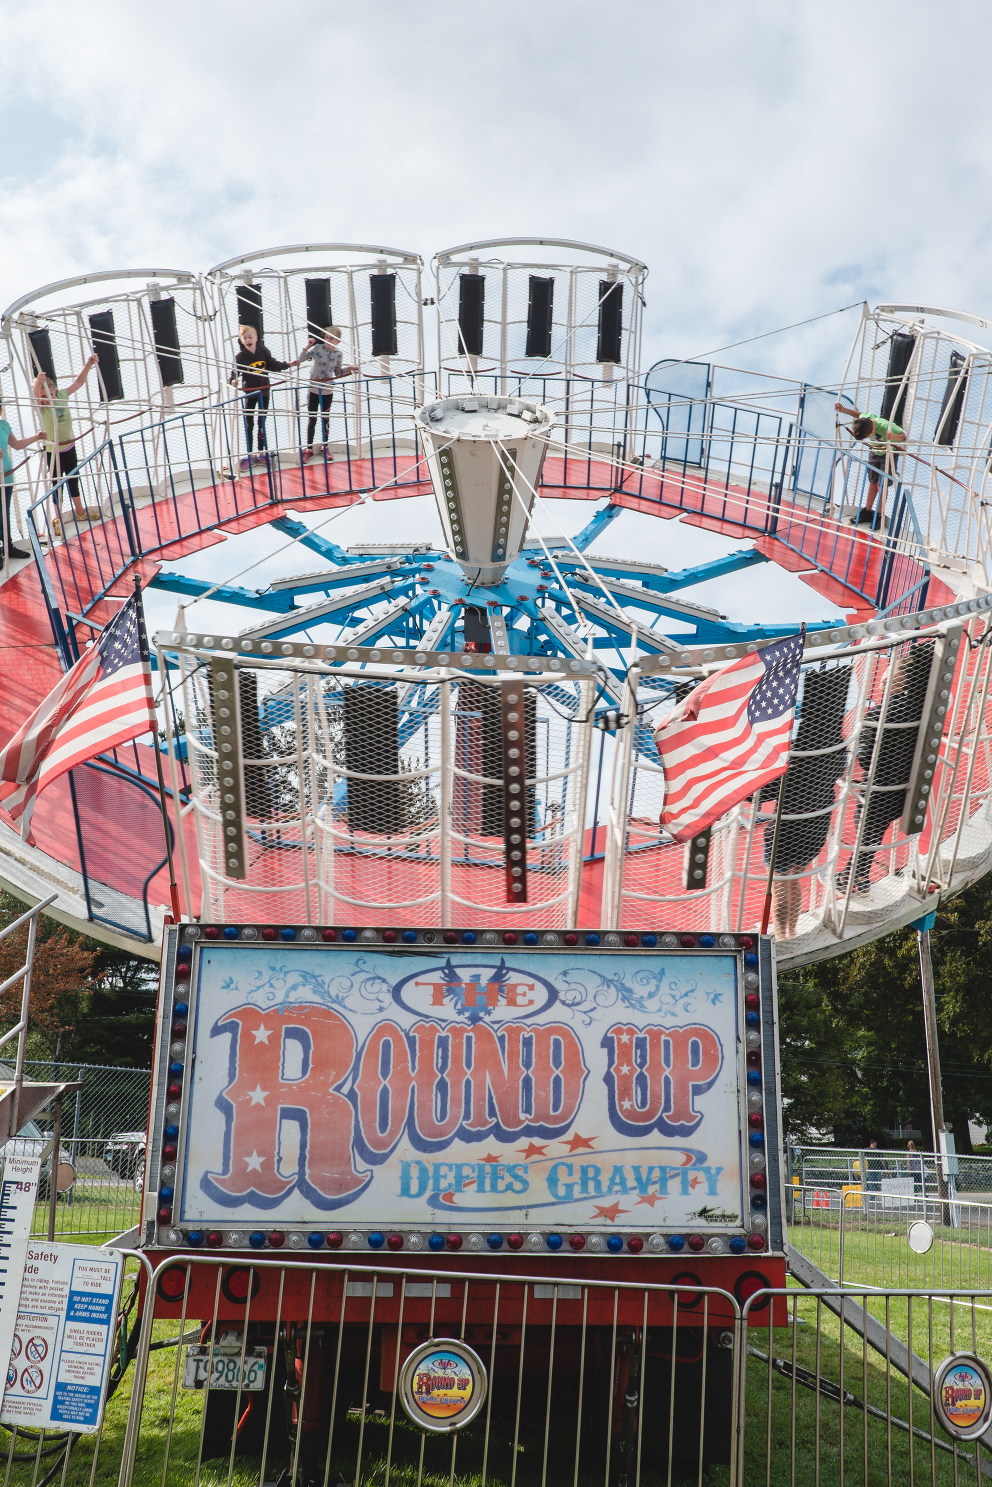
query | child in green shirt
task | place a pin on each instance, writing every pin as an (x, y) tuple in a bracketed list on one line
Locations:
[(882, 433)]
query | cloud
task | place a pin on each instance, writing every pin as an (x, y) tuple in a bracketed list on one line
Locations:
[(769, 161)]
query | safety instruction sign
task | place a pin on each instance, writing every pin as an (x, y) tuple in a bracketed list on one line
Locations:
[(63, 1337)]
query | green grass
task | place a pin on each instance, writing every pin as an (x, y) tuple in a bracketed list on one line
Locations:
[(94, 1215)]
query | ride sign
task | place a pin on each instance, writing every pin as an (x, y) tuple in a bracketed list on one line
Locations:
[(392, 1086)]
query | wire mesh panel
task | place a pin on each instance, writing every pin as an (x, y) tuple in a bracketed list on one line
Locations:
[(912, 366), (535, 313), (156, 354), (381, 796)]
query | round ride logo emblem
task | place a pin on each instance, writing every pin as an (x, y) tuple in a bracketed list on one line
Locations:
[(962, 1395), (443, 1385)]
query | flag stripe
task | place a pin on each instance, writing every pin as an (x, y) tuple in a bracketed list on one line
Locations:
[(103, 701)]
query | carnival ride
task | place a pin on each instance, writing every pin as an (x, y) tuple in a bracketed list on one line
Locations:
[(335, 755)]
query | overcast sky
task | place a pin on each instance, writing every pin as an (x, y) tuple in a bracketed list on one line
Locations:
[(770, 160)]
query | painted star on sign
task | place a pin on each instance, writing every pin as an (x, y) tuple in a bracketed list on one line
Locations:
[(580, 1143), (263, 1034), (650, 1199), (257, 1095), (609, 1211), (491, 1159), (531, 1150), (254, 1162)]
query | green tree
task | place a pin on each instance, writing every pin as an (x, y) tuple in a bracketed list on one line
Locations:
[(89, 1003), (853, 1039)]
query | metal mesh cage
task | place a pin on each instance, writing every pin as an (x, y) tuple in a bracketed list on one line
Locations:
[(381, 797), (887, 793)]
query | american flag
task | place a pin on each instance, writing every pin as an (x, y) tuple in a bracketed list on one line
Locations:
[(104, 700), (729, 737)]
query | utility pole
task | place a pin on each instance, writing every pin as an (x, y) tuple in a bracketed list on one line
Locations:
[(943, 1140)]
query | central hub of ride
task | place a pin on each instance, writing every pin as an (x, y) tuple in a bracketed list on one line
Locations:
[(485, 456)]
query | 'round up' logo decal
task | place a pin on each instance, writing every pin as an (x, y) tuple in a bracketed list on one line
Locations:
[(443, 1385), (962, 1395)]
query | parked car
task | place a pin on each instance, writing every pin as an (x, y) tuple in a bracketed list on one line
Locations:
[(125, 1155), (31, 1141)]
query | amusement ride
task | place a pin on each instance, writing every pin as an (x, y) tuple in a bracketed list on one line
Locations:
[(340, 752)]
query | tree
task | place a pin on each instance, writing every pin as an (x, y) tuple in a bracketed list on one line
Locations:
[(89, 1003), (853, 1039)]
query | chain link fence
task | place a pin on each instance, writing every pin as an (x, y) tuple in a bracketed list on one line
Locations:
[(103, 1137)]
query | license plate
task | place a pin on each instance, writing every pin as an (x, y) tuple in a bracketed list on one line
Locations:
[(224, 1369)]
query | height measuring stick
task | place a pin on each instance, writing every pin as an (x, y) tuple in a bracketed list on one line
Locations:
[(18, 1193)]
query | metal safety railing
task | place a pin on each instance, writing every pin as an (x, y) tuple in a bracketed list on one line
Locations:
[(866, 1237), (846, 1387), (246, 1371)]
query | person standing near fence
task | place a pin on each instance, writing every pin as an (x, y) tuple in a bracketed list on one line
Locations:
[(252, 365), (9, 441), (325, 354), (875, 1165), (883, 458), (60, 450)]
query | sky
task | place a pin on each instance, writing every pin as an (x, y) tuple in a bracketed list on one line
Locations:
[(771, 161)]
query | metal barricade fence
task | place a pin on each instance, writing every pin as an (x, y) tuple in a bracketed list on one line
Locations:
[(254, 1372), (861, 1237), (832, 1166), (43, 1457), (593, 1381), (844, 1392)]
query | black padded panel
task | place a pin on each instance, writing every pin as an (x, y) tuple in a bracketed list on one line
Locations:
[(953, 404), (250, 307), (166, 335), (41, 351), (382, 288), (479, 750), (258, 797), (471, 312), (608, 342), (900, 354), (105, 346), (319, 317), (372, 746), (540, 304)]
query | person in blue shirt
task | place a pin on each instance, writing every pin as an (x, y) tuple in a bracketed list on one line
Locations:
[(9, 441)]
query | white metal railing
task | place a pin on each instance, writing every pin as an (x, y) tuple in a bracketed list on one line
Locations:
[(20, 1028)]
